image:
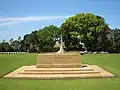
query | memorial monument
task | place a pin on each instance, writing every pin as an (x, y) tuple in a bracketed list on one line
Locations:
[(59, 59), (59, 65)]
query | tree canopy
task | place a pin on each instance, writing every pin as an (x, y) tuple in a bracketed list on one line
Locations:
[(87, 28), (42, 40), (84, 27)]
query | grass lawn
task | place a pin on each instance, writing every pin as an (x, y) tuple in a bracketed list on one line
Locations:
[(111, 62)]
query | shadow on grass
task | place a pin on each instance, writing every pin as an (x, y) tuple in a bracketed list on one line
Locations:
[(2, 75)]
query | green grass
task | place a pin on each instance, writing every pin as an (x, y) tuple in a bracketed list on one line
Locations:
[(11, 62), (110, 62)]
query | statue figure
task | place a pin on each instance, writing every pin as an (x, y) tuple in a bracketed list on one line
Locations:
[(61, 45)]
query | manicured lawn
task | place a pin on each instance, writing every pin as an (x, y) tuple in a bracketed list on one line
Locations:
[(110, 62), (11, 62)]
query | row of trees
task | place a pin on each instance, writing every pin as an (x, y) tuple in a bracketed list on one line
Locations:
[(87, 28), (42, 40)]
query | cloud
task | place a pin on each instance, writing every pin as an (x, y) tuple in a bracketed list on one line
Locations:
[(9, 23), (4, 21)]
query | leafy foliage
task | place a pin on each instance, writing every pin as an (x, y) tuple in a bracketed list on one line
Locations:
[(42, 40), (87, 26)]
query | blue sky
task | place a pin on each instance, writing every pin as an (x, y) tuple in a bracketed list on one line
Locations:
[(20, 17)]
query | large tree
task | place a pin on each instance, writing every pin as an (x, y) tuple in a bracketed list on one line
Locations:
[(29, 42), (4, 46), (84, 27), (42, 40), (46, 38)]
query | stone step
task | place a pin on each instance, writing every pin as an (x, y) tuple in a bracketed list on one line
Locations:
[(58, 76), (57, 69), (62, 72), (72, 65)]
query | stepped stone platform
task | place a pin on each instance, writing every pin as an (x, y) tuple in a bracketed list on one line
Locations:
[(59, 66), (32, 72)]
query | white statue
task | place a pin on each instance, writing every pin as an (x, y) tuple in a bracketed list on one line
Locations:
[(61, 45)]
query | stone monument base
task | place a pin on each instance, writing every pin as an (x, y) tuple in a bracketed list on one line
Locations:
[(31, 72), (58, 66)]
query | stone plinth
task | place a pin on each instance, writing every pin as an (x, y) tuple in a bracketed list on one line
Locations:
[(54, 60), (59, 66), (31, 72)]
